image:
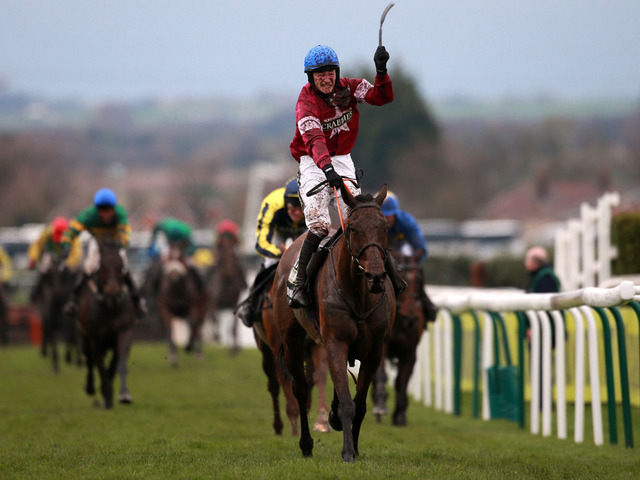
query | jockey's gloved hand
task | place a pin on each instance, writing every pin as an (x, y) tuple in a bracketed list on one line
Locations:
[(380, 58), (153, 252), (333, 178)]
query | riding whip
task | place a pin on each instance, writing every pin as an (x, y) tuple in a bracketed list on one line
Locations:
[(384, 15)]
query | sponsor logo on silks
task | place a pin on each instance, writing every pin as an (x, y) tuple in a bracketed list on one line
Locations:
[(339, 123)]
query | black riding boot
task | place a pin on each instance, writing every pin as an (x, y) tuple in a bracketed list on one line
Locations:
[(399, 285), (430, 310), (196, 278), (300, 295), (37, 288), (71, 307), (246, 311), (138, 302)]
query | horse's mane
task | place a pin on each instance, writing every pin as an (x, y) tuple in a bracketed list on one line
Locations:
[(364, 197)]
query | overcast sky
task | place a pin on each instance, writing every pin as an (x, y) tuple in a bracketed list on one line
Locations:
[(129, 49)]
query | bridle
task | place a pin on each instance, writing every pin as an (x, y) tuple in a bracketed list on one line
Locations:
[(355, 257)]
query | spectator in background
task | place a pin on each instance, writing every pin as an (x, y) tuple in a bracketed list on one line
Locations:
[(542, 278), (6, 272)]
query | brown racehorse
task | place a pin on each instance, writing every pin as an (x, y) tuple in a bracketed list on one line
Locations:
[(355, 309), (225, 281), (53, 289), (403, 342), (179, 296), (106, 320), (269, 341)]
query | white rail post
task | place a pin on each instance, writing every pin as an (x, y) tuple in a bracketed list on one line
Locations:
[(588, 216), (534, 359), (437, 360), (487, 361), (561, 383), (579, 409), (561, 254), (574, 254), (426, 361), (546, 383), (606, 252), (594, 375)]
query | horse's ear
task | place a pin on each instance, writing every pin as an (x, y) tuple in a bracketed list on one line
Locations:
[(381, 195), (348, 198)]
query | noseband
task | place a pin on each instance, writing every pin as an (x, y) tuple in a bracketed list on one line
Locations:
[(355, 257)]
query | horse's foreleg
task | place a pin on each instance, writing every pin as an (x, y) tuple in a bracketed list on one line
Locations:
[(366, 375), (87, 349), (379, 392), (166, 320), (342, 401), (125, 339), (269, 368), (319, 355), (405, 369), (294, 358)]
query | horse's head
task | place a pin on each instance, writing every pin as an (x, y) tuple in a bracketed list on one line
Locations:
[(110, 276), (366, 236)]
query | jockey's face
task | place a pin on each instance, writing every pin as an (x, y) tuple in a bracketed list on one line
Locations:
[(295, 213), (391, 219), (106, 214), (325, 81)]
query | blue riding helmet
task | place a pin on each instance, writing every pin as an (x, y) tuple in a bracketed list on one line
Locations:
[(291, 193), (320, 56), (390, 206), (105, 198)]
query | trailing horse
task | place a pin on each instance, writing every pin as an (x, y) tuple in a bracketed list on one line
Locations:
[(269, 343), (354, 308), (106, 319), (181, 295), (225, 281), (53, 288), (402, 344)]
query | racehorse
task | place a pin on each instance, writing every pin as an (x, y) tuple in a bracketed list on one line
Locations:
[(402, 343), (54, 288), (268, 341), (225, 281), (354, 308), (106, 319), (180, 296)]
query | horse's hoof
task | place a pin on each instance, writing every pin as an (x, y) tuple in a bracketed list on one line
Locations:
[(348, 458), (400, 421), (380, 411), (125, 399), (322, 427), (334, 421)]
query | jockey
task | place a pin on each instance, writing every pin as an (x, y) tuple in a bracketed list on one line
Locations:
[(404, 236), (177, 233), (6, 268), (280, 219), (104, 220), (49, 245), (327, 119)]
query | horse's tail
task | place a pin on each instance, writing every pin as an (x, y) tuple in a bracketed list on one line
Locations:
[(282, 364)]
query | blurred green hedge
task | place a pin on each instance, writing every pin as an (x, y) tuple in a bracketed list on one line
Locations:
[(625, 235)]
